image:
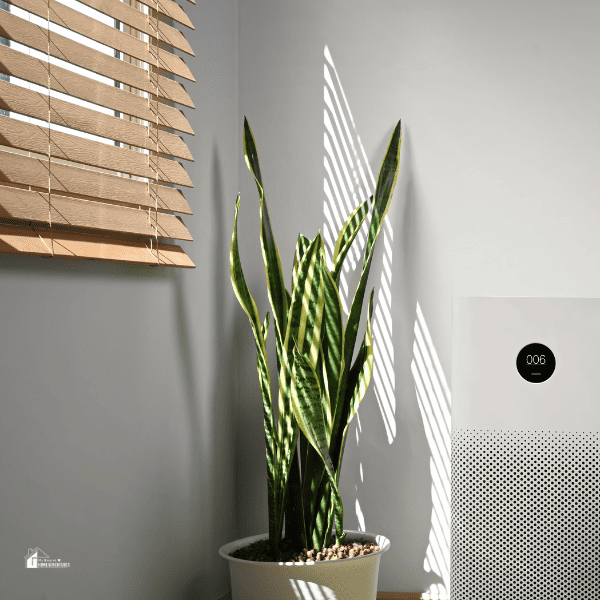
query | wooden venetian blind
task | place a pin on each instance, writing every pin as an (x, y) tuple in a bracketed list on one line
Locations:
[(90, 122)]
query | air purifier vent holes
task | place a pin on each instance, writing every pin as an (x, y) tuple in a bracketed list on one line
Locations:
[(525, 515)]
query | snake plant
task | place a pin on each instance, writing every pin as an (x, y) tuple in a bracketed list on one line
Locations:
[(319, 386)]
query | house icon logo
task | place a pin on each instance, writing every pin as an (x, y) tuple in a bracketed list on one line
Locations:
[(32, 557), (38, 559)]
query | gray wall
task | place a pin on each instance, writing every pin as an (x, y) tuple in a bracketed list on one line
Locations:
[(116, 390), (497, 195)]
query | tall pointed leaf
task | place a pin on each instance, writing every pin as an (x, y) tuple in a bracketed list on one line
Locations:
[(304, 319), (332, 336), (303, 325), (315, 480), (294, 510), (346, 236), (265, 326), (306, 402), (358, 378), (383, 195), (354, 317), (321, 371), (386, 181), (301, 245), (278, 295), (247, 303)]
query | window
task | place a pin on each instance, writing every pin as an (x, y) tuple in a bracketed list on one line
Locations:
[(90, 124)]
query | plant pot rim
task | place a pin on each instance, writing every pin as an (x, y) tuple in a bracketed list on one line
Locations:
[(382, 541)]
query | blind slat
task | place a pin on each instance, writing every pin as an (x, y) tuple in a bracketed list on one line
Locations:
[(66, 179), (100, 32), (170, 9), (19, 30), (33, 104), (172, 90), (174, 64), (138, 20), (35, 70), (27, 240), (109, 36), (17, 203), (34, 138)]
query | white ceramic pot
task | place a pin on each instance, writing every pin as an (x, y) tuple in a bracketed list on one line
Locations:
[(346, 579)]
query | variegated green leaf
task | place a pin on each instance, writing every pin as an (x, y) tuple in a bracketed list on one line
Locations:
[(301, 246), (315, 482), (247, 303), (346, 236), (278, 295), (239, 282), (386, 181), (305, 307), (350, 335), (306, 311), (321, 371), (304, 324), (383, 194), (306, 402), (295, 530), (332, 336), (359, 376), (265, 327)]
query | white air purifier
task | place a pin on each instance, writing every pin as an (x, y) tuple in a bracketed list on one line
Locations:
[(525, 449)]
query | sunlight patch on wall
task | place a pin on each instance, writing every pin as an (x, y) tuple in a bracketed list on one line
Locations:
[(360, 516), (433, 395), (348, 182)]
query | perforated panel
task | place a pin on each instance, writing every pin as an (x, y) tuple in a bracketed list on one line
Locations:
[(525, 515)]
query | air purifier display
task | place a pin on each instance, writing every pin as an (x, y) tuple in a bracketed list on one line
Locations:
[(525, 449)]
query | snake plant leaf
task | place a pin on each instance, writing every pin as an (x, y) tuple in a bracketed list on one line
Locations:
[(247, 303), (278, 295), (265, 326), (346, 236), (306, 309), (388, 174), (332, 336), (321, 371), (260, 332), (304, 325), (355, 313), (301, 245), (306, 403), (386, 181), (332, 340), (350, 335), (359, 376)]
